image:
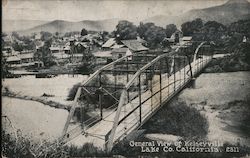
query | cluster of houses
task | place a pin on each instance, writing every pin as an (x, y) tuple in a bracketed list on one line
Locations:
[(113, 49), (63, 48)]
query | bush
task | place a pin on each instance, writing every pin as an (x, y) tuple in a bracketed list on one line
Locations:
[(73, 90), (178, 119)]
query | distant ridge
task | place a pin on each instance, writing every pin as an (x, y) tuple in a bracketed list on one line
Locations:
[(63, 26), (231, 11)]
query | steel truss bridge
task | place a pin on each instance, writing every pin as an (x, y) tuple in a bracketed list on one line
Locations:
[(121, 96)]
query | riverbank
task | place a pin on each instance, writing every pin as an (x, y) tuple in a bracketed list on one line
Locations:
[(7, 93), (229, 63)]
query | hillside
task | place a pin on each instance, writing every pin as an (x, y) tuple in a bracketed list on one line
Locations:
[(231, 11), (62, 26), (18, 25)]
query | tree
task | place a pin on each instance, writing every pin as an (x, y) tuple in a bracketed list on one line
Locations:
[(125, 30), (17, 47), (45, 55), (154, 35), (87, 64), (213, 31), (4, 68), (190, 27), (170, 29), (84, 32), (16, 35), (46, 36)]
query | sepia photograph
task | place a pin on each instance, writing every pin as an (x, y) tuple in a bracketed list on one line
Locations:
[(125, 78)]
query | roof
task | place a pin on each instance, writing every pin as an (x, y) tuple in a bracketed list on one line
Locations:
[(66, 48), (178, 31), (141, 40), (187, 38), (82, 44), (109, 43), (119, 50), (103, 54), (170, 39), (134, 45), (6, 38), (117, 46), (39, 44), (26, 56), (38, 36), (13, 58), (54, 48)]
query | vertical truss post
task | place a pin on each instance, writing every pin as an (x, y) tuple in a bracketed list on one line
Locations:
[(203, 57), (180, 71), (199, 60), (127, 77), (168, 74), (184, 69), (115, 85), (190, 66), (81, 113), (160, 83), (151, 86), (174, 73), (100, 94), (139, 94)]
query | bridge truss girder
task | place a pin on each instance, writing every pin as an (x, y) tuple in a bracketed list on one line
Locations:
[(132, 83)]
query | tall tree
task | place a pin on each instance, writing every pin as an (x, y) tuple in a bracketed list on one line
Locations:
[(45, 55), (125, 30), (190, 27), (154, 35), (84, 32), (170, 29)]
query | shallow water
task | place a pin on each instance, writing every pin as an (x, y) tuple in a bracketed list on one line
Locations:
[(58, 86), (218, 88), (33, 118)]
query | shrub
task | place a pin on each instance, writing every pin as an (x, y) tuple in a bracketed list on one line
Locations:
[(179, 119)]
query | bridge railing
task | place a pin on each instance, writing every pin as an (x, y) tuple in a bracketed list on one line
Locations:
[(139, 87), (150, 87), (105, 86)]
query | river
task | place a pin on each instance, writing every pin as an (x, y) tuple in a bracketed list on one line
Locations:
[(39, 120)]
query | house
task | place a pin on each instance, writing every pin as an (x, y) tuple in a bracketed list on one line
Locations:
[(171, 40), (39, 45), (108, 44), (103, 57), (185, 40), (38, 36), (27, 57), (142, 41), (118, 46), (135, 46), (7, 40), (120, 52), (66, 49), (13, 60), (54, 49), (81, 44), (177, 35)]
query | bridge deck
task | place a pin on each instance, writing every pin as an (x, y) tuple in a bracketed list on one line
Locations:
[(96, 134)]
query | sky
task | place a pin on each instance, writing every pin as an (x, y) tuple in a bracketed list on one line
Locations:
[(77, 10)]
